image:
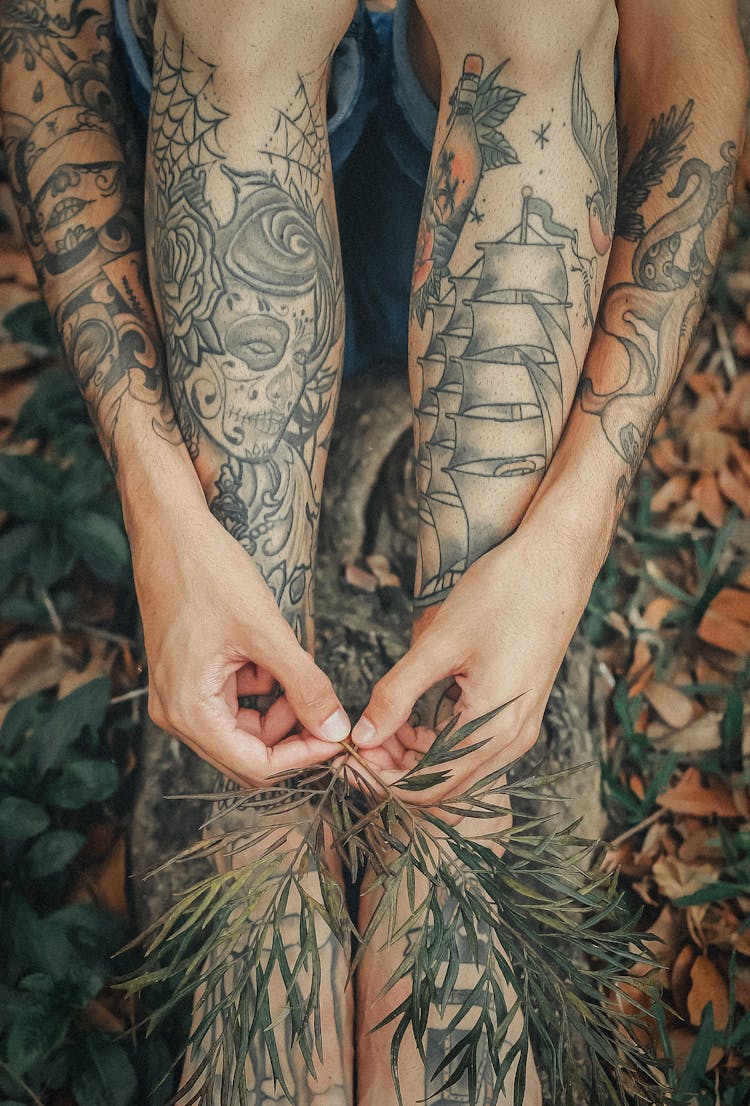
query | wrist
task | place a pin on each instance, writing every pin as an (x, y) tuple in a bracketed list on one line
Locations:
[(156, 480), (578, 503)]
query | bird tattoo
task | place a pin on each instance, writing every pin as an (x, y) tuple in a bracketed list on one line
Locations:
[(599, 147)]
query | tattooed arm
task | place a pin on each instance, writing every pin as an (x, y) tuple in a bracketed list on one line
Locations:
[(680, 131), (76, 172), (77, 176)]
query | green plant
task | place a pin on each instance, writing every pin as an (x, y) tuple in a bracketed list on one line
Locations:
[(55, 772), (557, 934)]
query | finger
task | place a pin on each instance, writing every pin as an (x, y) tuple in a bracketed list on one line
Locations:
[(420, 738), (270, 726), (244, 755), (310, 693), (253, 680), (429, 660)]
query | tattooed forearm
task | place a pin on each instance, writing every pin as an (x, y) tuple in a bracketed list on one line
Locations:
[(647, 323), (76, 176), (499, 369), (253, 315)]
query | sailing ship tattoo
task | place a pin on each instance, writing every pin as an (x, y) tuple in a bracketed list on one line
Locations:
[(499, 369)]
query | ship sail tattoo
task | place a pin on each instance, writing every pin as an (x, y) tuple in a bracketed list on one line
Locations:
[(496, 378)]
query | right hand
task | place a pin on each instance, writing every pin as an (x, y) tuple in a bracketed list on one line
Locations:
[(212, 632)]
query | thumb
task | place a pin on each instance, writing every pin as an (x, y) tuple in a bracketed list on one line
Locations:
[(311, 695), (394, 696)]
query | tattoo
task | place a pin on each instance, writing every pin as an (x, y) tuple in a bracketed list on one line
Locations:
[(474, 144), (253, 315), (242, 1076), (541, 135), (465, 967), (599, 147), (499, 360), (653, 317), (75, 172)]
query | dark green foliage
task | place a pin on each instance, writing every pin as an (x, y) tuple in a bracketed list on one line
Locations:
[(543, 915), (55, 771)]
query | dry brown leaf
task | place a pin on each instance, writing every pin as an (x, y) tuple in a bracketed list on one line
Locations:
[(13, 356), (708, 449), (102, 658), (742, 457), (33, 665), (726, 633), (697, 841), (732, 603), (673, 491), (672, 705), (690, 796), (670, 930), (359, 579), (101, 1017), (641, 669), (663, 454), (705, 492), (109, 880), (657, 610), (699, 736), (735, 488), (735, 411), (707, 985), (675, 878), (13, 295), (13, 394), (716, 924), (680, 976)]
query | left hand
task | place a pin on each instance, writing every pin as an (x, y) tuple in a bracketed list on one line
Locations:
[(502, 635)]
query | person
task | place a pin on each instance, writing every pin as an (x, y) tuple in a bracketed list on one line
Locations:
[(472, 152)]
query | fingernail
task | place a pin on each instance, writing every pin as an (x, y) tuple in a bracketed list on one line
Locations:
[(364, 732), (336, 728)]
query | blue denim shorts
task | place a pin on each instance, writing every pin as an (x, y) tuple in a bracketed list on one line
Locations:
[(380, 128)]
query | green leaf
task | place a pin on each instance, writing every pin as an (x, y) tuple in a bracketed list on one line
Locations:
[(15, 545), (84, 708), (82, 782), (98, 538), (28, 488), (712, 892), (53, 409), (32, 323), (107, 1079), (35, 1033), (21, 819), (20, 719), (52, 852)]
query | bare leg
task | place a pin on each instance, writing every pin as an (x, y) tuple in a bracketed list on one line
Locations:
[(517, 223), (247, 277)]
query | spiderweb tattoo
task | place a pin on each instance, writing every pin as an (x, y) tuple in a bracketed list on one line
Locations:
[(298, 149), (185, 120)]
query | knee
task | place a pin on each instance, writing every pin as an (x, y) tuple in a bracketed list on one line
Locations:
[(540, 38), (274, 34)]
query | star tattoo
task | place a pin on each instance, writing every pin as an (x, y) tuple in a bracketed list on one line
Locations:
[(475, 215), (540, 135)]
